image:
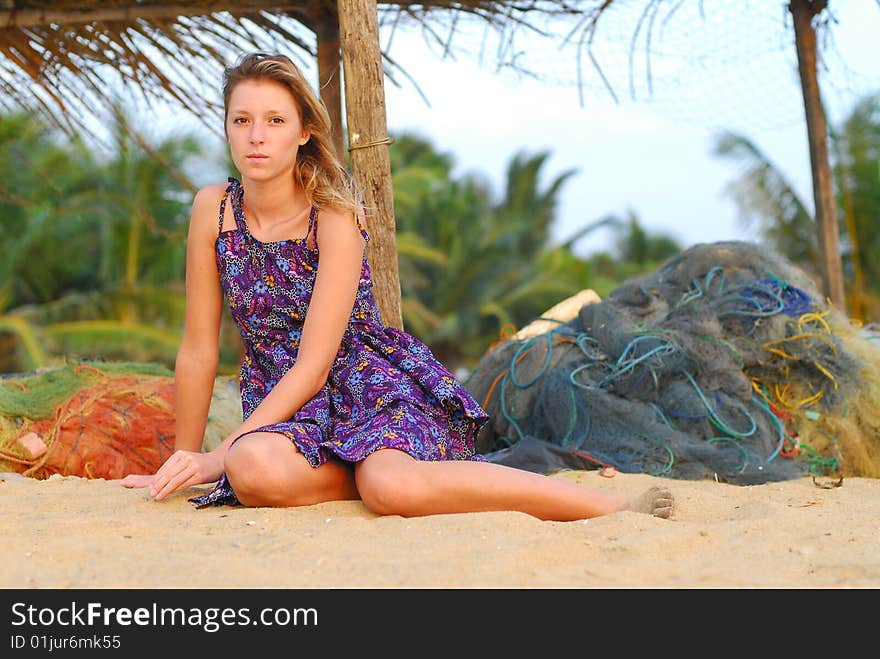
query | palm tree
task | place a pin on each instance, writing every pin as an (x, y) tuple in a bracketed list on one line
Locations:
[(95, 265), (640, 247), (856, 151), (764, 195), (37, 174), (470, 265), (635, 251), (525, 206)]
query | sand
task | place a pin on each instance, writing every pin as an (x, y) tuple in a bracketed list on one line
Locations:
[(70, 532)]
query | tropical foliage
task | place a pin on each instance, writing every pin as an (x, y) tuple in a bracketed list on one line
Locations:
[(471, 265), (93, 263), (635, 251), (767, 198), (94, 253)]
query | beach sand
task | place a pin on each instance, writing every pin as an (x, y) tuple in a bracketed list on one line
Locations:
[(70, 532)]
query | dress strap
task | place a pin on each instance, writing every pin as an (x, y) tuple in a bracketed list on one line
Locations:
[(236, 192), (313, 222), (223, 208), (359, 218), (313, 225)]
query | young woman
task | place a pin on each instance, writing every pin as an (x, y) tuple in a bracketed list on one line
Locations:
[(336, 405)]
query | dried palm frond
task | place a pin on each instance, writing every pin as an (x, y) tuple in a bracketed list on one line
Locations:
[(73, 60), (74, 64)]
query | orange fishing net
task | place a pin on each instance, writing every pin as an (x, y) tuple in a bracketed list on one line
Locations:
[(113, 427)]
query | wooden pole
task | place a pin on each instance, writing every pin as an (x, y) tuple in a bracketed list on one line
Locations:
[(803, 12), (329, 73), (368, 144)]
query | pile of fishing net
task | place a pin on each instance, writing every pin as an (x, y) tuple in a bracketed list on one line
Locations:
[(98, 419), (724, 363)]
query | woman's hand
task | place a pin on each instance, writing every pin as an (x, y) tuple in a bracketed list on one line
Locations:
[(137, 480), (185, 468), (182, 469)]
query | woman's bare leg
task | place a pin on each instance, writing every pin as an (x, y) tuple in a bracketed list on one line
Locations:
[(266, 469), (392, 482)]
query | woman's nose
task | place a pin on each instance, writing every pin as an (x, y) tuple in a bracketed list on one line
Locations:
[(256, 135)]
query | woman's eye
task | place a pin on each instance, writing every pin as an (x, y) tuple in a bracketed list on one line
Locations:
[(277, 120), (239, 120)]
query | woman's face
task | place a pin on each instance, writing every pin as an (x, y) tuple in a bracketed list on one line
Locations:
[(264, 129)]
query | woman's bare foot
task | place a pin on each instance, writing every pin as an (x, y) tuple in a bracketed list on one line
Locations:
[(656, 500)]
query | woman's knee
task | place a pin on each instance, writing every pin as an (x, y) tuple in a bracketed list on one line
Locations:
[(392, 485), (256, 469), (266, 469), (249, 460)]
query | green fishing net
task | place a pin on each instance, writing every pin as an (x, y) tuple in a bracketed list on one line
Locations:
[(724, 363)]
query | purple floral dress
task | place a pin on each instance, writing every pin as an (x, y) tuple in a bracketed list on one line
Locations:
[(385, 389)]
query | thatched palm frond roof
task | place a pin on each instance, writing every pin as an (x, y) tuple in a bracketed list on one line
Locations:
[(60, 56)]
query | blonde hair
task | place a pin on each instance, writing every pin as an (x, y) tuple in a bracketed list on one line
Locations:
[(326, 182)]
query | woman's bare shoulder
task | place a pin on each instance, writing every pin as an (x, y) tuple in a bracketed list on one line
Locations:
[(210, 193), (205, 210), (338, 229), (336, 216)]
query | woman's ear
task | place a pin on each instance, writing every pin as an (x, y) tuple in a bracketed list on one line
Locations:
[(306, 136)]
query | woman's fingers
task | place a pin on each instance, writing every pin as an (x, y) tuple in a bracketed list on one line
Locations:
[(176, 473), (137, 480), (183, 468), (175, 483), (169, 484), (166, 472)]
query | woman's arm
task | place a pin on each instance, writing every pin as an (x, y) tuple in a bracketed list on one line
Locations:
[(196, 366)]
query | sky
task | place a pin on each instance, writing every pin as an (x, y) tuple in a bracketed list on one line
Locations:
[(651, 154)]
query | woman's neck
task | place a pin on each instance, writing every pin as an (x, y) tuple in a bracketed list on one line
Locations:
[(273, 203)]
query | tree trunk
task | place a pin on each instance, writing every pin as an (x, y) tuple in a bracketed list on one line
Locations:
[(803, 12), (368, 145), (329, 86)]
